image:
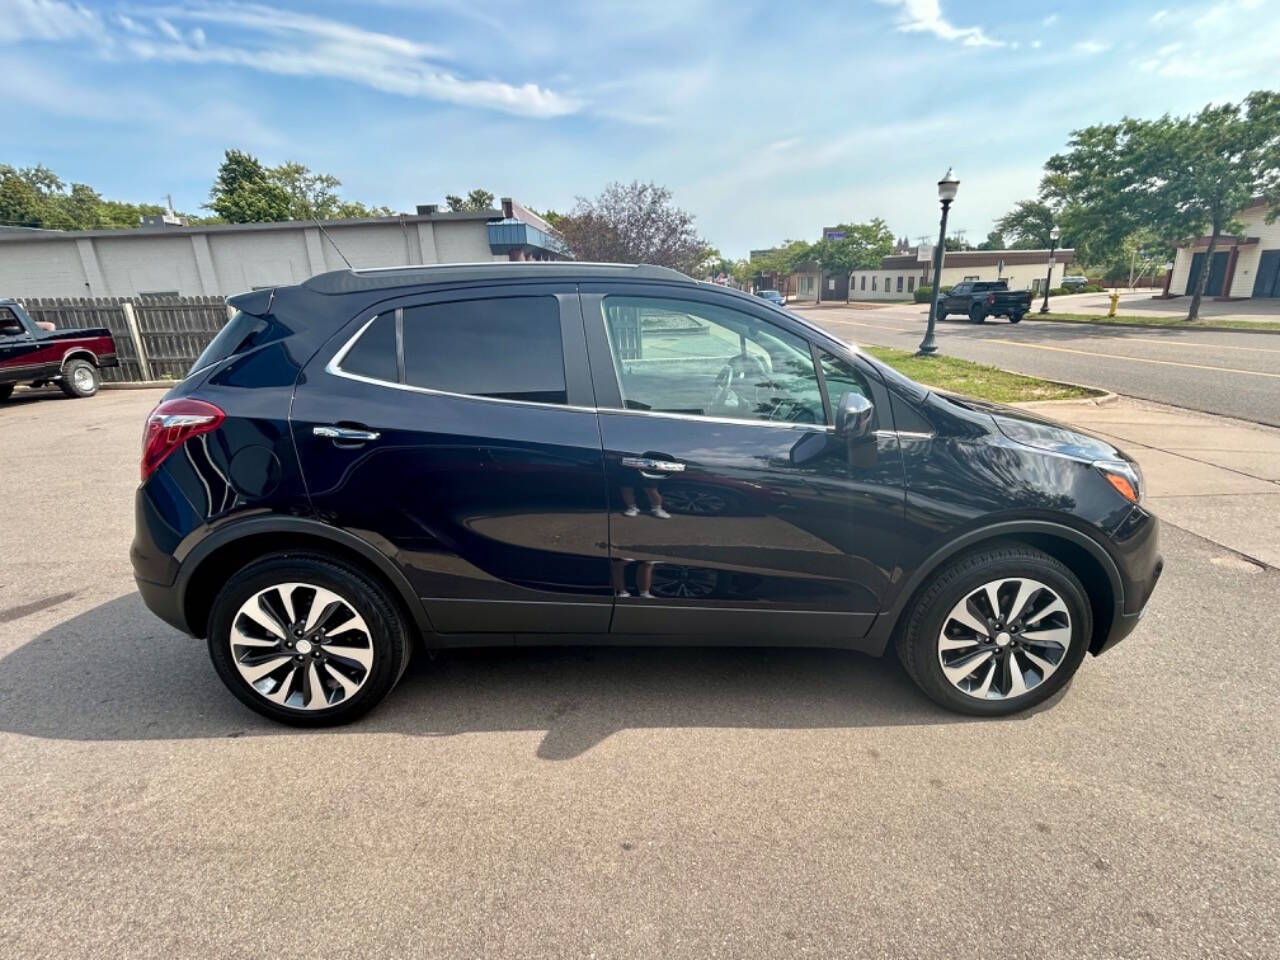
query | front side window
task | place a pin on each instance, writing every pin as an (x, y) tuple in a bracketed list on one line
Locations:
[(700, 359), (505, 348), (10, 326)]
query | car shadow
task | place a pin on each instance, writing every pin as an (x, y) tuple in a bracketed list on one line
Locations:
[(117, 673)]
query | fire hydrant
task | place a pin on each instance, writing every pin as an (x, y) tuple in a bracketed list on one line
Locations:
[(1115, 299)]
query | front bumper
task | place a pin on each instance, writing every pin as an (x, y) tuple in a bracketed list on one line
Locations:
[(1140, 564)]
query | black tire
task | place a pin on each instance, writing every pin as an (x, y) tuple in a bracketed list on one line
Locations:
[(1015, 318), (6, 391), (942, 315), (977, 315), (388, 633), (79, 378), (918, 635)]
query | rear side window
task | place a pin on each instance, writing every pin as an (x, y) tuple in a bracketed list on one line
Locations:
[(374, 354), (236, 336), (506, 348)]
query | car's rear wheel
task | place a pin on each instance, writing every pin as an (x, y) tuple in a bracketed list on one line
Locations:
[(977, 315), (79, 378), (1015, 318), (6, 391), (307, 640), (997, 631)]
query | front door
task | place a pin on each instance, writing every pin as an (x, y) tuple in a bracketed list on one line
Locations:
[(455, 431), (1267, 282), (735, 513), (1217, 273), (19, 358)]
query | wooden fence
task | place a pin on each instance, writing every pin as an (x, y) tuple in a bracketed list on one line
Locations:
[(157, 338)]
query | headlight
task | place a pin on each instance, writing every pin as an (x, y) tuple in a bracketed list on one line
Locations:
[(1044, 436), (1126, 477)]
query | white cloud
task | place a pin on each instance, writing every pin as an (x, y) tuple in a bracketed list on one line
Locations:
[(925, 16), (47, 20), (1159, 15), (1050, 20), (1036, 44), (1091, 46), (272, 40)]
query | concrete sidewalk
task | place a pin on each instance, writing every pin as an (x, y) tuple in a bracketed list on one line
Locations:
[(1212, 476)]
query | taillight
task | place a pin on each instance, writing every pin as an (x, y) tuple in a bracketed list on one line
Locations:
[(171, 424), (991, 299)]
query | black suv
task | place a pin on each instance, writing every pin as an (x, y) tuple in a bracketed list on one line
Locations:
[(577, 453)]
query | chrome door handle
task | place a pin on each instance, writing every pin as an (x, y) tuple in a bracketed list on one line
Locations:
[(348, 434), (657, 466)]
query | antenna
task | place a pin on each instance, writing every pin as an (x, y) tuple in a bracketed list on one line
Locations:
[(325, 233)]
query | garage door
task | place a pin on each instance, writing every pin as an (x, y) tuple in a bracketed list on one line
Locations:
[(1217, 273), (1267, 283)]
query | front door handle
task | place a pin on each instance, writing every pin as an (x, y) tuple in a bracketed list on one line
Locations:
[(346, 434), (649, 464)]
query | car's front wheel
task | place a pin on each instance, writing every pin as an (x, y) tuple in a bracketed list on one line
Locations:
[(307, 639), (6, 391), (977, 314), (998, 630)]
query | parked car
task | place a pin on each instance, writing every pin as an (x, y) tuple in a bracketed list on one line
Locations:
[(979, 299), (773, 296), (476, 455), (37, 353), (1074, 283)]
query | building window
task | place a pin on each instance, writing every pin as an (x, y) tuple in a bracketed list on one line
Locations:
[(911, 284), (864, 281), (873, 284), (899, 283)]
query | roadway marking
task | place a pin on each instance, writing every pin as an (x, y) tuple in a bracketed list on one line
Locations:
[(1114, 356), (1200, 343), (872, 326)]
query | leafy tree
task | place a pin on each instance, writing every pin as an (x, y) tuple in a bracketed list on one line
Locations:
[(475, 200), (311, 195), (1182, 177), (994, 241), (1026, 226), (37, 197), (245, 192), (633, 223), (862, 247)]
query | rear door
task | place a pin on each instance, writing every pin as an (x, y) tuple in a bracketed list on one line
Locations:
[(734, 511), (456, 431)]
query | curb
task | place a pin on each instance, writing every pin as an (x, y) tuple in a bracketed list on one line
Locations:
[(1158, 326), (139, 385)]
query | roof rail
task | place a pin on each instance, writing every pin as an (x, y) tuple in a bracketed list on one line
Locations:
[(374, 278)]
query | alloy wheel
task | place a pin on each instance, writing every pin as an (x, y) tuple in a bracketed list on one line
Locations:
[(83, 379), (1004, 639), (301, 646)]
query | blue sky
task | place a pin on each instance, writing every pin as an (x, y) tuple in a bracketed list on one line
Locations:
[(767, 120)]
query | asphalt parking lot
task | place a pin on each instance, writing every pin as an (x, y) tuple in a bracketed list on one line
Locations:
[(612, 802)]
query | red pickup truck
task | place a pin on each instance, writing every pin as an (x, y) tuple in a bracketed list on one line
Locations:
[(37, 354)]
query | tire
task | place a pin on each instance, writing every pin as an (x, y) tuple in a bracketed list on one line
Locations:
[(79, 378), (942, 315), (1015, 318), (6, 391), (370, 648), (977, 315), (1056, 613)]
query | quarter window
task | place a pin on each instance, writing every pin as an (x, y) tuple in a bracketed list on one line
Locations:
[(374, 354), (686, 357)]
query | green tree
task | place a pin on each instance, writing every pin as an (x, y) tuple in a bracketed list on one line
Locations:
[(244, 191), (994, 241), (38, 197), (474, 201), (1181, 177), (1027, 225), (862, 247), (311, 195)]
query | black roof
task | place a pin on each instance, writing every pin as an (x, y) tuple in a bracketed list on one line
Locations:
[(354, 281)]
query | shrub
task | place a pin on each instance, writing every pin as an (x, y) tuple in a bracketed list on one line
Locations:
[(925, 294), (1091, 288)]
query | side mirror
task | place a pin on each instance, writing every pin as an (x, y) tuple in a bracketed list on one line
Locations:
[(855, 417)]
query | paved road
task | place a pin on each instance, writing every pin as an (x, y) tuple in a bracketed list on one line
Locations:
[(609, 803), (1231, 374)]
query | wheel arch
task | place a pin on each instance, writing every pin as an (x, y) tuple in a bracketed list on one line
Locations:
[(1080, 553), (79, 353), (209, 564)]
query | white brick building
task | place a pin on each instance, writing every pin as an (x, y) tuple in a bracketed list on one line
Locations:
[(898, 276), (1245, 265), (222, 259)]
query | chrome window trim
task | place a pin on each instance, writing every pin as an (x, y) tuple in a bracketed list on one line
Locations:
[(706, 418), (334, 368)]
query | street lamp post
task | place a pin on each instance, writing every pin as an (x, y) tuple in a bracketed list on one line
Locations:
[(1054, 234), (947, 188)]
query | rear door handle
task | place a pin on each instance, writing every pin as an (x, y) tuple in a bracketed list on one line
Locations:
[(656, 466), (346, 434)]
